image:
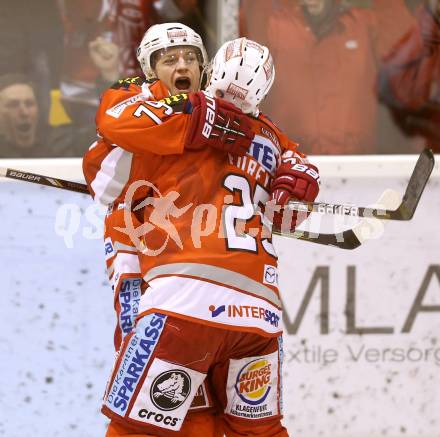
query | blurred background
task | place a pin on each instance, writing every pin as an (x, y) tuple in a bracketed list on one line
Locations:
[(357, 83), (352, 76)]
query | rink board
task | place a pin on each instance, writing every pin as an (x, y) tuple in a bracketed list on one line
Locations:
[(361, 345)]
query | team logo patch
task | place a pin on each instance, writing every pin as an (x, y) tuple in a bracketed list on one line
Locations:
[(254, 381), (245, 312), (178, 33), (170, 389), (236, 91), (234, 49), (268, 68), (270, 275), (166, 395), (253, 387)]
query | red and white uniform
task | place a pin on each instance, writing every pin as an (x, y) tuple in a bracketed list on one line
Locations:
[(214, 267), (109, 170)]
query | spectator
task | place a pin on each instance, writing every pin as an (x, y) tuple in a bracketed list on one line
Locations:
[(31, 37), (327, 55), (410, 78), (22, 135), (128, 20)]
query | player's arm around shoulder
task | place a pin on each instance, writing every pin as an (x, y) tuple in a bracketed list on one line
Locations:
[(131, 117)]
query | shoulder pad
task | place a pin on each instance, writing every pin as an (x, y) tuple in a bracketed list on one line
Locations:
[(125, 83), (176, 100)]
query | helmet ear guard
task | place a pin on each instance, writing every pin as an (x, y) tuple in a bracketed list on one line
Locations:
[(243, 72), (163, 36)]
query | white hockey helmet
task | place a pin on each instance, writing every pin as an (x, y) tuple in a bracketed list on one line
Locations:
[(165, 35), (241, 72)]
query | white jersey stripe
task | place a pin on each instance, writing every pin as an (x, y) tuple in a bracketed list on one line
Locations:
[(113, 176), (217, 274)]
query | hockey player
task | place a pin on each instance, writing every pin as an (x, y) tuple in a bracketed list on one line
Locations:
[(110, 169), (212, 309), (172, 57)]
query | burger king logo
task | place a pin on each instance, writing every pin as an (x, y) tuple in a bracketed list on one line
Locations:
[(253, 382)]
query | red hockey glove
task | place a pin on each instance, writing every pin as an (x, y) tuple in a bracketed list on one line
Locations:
[(295, 180), (217, 123)]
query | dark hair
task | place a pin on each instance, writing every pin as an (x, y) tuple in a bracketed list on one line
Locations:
[(9, 79)]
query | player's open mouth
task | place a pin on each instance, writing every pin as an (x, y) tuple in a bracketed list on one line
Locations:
[(183, 83)]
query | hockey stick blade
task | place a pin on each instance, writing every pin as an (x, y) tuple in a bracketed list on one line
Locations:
[(342, 240), (416, 185), (406, 209), (43, 180)]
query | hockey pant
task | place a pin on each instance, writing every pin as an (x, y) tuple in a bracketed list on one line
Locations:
[(124, 274), (163, 362)]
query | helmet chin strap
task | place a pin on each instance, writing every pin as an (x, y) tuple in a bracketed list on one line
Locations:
[(205, 75)]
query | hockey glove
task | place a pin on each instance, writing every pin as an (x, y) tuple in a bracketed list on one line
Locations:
[(295, 179), (217, 123)]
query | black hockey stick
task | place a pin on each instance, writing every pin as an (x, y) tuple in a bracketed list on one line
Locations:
[(43, 180), (404, 211), (342, 240)]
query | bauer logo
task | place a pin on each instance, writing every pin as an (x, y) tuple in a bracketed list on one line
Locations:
[(109, 249), (170, 389), (254, 381)]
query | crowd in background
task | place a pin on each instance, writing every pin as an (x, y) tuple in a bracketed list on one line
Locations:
[(352, 77)]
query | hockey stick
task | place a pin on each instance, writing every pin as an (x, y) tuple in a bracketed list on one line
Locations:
[(43, 180), (348, 239), (352, 238), (343, 240), (404, 211)]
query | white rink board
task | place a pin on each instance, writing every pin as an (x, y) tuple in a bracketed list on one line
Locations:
[(56, 341)]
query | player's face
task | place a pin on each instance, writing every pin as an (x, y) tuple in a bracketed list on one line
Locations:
[(18, 114), (315, 7), (179, 69)]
